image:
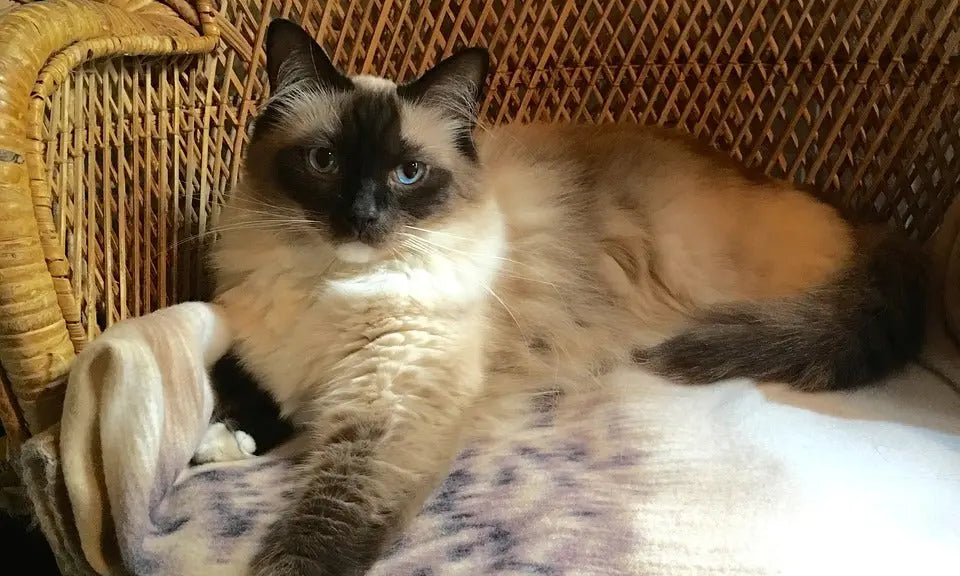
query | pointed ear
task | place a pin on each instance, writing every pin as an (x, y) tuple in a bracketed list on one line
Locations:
[(455, 84), (293, 56)]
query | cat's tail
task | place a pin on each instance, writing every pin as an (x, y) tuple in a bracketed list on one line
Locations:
[(866, 324)]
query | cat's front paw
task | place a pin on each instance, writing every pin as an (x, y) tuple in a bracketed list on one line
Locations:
[(220, 444)]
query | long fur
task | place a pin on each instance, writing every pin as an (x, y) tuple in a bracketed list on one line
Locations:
[(853, 331), (530, 257)]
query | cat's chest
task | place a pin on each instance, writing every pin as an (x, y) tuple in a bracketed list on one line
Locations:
[(298, 336)]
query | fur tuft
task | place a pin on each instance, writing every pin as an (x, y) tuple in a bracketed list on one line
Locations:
[(862, 327)]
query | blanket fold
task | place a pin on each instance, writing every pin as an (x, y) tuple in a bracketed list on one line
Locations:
[(643, 477), (43, 478), (137, 404)]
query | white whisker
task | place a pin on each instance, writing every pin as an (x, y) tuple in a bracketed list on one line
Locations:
[(260, 225), (269, 212), (438, 233)]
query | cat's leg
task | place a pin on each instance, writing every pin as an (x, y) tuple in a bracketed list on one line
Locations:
[(221, 444), (375, 464), (246, 420), (241, 402)]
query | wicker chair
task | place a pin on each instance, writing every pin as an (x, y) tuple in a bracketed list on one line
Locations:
[(123, 122)]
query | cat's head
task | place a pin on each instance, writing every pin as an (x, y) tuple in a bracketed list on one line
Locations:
[(362, 159)]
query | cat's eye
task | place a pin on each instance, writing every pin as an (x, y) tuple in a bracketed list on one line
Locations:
[(322, 160), (410, 173)]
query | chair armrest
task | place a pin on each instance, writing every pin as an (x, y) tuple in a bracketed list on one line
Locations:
[(41, 327)]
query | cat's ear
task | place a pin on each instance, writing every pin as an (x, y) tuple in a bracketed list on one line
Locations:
[(293, 56), (455, 84)]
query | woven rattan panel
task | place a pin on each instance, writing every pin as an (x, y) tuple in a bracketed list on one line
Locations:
[(857, 98), (135, 159)]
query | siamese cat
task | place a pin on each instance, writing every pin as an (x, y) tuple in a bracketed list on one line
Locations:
[(388, 266)]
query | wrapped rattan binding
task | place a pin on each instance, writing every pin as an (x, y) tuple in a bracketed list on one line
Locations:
[(123, 123)]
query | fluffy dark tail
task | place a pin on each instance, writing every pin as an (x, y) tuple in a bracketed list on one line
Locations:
[(861, 327)]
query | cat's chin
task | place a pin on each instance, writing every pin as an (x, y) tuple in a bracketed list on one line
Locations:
[(356, 252)]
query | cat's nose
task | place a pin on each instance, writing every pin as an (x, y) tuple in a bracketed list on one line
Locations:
[(364, 215)]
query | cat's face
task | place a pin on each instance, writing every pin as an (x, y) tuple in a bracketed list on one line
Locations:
[(362, 159)]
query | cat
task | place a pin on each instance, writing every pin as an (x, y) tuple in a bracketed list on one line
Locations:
[(388, 267)]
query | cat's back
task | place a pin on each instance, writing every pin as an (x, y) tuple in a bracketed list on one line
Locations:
[(708, 224), (611, 150), (600, 171)]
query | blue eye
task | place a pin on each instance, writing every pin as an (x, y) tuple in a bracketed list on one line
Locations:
[(322, 160), (410, 172)]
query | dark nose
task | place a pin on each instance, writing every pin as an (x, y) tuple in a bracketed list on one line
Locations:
[(365, 214)]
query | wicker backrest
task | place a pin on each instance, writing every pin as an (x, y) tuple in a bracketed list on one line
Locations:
[(113, 166)]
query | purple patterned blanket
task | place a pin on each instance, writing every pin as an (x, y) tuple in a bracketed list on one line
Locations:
[(642, 478)]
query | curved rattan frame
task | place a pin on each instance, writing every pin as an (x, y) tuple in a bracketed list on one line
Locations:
[(40, 43)]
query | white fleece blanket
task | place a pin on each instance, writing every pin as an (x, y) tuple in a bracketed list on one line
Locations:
[(643, 478)]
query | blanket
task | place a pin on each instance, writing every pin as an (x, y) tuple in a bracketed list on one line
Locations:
[(641, 477)]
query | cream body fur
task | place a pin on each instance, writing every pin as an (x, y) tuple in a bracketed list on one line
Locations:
[(527, 288), (307, 317), (388, 271)]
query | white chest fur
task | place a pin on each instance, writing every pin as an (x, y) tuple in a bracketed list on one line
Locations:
[(368, 330)]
